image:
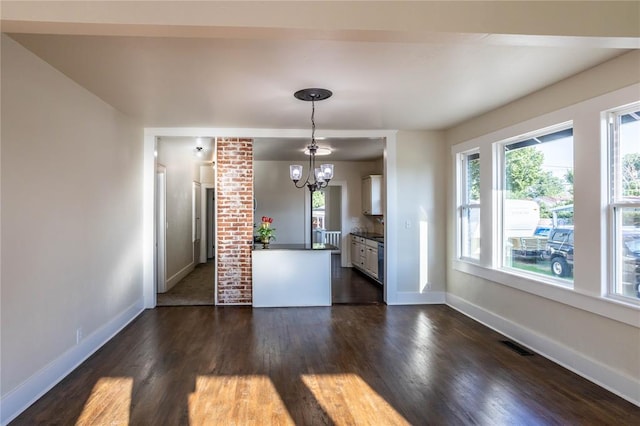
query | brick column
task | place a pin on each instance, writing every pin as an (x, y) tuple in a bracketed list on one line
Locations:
[(234, 216)]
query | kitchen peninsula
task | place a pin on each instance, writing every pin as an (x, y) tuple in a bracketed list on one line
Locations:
[(291, 275)]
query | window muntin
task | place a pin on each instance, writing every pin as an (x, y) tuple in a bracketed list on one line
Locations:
[(624, 145), (537, 205), (470, 206)]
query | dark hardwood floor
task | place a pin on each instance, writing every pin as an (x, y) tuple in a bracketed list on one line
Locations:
[(349, 286), (368, 364)]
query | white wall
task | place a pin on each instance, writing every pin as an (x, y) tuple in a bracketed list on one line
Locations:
[(421, 195), (579, 329), (182, 169), (277, 197), (71, 181)]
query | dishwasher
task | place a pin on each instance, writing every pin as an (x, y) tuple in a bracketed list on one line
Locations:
[(381, 262)]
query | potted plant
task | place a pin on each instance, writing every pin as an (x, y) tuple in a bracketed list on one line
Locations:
[(265, 231)]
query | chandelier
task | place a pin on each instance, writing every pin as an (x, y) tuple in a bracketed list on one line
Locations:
[(320, 175)]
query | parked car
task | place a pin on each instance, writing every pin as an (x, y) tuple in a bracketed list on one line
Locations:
[(631, 261), (560, 251)]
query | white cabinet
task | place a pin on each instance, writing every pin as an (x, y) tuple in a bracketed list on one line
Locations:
[(372, 195), (364, 256), (358, 254), (371, 258)]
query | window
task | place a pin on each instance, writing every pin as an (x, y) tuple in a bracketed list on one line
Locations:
[(470, 206), (624, 148), (537, 204), (318, 209)]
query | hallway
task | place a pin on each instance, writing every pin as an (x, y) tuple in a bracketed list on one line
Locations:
[(196, 289)]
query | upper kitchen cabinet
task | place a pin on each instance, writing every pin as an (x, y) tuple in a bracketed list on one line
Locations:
[(372, 195)]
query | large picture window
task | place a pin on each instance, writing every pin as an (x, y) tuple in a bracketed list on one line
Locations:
[(624, 148), (470, 205), (537, 204)]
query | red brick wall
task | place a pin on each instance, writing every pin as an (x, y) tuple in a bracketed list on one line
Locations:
[(234, 216)]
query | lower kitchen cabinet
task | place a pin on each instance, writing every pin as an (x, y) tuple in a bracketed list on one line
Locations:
[(364, 256)]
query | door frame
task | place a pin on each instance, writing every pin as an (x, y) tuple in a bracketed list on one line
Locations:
[(204, 220), (161, 228), (148, 199), (344, 233)]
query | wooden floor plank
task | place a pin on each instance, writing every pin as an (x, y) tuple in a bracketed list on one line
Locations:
[(366, 364)]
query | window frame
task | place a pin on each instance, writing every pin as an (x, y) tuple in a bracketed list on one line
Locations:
[(590, 188), (464, 203), (615, 202), (500, 168)]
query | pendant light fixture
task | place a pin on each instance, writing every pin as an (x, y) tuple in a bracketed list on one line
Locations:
[(317, 177)]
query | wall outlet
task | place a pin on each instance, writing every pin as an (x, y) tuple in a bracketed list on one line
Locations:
[(79, 335)]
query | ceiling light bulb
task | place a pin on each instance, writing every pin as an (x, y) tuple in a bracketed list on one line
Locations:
[(321, 150)]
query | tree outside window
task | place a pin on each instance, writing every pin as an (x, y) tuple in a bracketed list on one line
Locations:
[(538, 205)]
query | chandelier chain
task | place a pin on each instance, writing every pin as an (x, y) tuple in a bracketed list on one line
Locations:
[(313, 122), (323, 174)]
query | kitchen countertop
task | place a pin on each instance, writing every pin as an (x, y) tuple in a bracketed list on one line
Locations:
[(315, 246), (370, 236)]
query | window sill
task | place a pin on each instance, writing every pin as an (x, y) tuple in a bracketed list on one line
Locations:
[(615, 309)]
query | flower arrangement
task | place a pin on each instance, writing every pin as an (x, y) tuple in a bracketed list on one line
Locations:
[(265, 231)]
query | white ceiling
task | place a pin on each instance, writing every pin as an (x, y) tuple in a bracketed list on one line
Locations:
[(190, 82), (246, 80), (342, 149)]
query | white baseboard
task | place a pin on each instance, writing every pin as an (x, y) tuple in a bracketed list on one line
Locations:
[(601, 374), (20, 398), (175, 278), (417, 298)]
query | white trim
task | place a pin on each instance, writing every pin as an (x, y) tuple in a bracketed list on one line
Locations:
[(261, 133), (29, 391), (623, 385), (161, 229), (150, 135), (390, 165), (149, 222), (626, 313), (417, 298), (175, 278), (203, 221)]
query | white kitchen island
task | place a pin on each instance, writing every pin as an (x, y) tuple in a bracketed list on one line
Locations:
[(291, 275)]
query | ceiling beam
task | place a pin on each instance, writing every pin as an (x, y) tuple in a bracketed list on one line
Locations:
[(363, 20)]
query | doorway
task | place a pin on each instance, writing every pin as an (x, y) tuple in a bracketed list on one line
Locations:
[(327, 217), (185, 274)]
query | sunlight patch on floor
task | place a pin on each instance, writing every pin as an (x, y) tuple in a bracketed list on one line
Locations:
[(241, 400), (348, 400), (109, 402)]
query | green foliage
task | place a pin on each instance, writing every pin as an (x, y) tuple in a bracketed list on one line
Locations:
[(317, 199), (631, 175), (266, 232), (525, 177), (473, 179), (569, 177)]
